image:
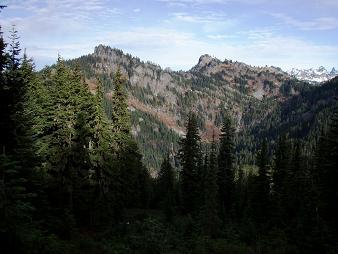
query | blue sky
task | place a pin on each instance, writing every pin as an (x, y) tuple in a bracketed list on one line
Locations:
[(174, 33)]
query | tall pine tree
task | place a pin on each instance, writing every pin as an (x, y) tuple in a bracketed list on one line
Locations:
[(210, 221), (120, 114), (226, 175), (190, 178), (261, 186), (166, 187)]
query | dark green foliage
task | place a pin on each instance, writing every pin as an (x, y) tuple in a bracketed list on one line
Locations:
[(134, 177), (190, 174), (210, 221), (72, 179), (153, 138), (260, 196), (14, 51), (280, 176), (120, 115), (17, 160), (226, 174), (326, 178), (285, 88), (166, 188)]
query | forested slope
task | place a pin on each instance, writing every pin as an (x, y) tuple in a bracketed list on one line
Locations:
[(264, 101)]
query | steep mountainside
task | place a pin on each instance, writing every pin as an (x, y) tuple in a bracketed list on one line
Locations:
[(161, 99), (313, 75)]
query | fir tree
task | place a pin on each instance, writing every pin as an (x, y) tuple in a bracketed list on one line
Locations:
[(280, 177), (166, 186), (261, 187), (14, 50), (209, 213), (226, 176), (16, 156), (190, 156), (132, 174), (4, 97), (120, 114)]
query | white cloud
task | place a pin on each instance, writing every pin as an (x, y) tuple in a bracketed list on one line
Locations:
[(322, 23), (194, 2), (222, 36), (57, 17), (206, 17), (181, 50), (71, 27), (207, 21), (184, 3)]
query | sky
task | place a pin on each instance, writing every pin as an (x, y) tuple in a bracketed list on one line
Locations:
[(175, 33)]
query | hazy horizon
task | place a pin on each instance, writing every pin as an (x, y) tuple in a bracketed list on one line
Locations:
[(175, 33)]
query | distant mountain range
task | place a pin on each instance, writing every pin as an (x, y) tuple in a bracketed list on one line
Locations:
[(263, 101), (311, 75)]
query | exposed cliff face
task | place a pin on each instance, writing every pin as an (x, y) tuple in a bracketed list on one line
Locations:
[(255, 81), (142, 76), (209, 88)]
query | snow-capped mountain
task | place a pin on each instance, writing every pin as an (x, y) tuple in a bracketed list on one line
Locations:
[(313, 75)]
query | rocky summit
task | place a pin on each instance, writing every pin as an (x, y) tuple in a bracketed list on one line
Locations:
[(161, 99)]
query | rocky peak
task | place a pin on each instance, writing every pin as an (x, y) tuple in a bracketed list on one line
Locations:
[(102, 50), (321, 69), (206, 62), (333, 71), (99, 48)]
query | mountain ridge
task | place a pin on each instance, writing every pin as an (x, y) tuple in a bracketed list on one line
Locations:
[(315, 76), (210, 88)]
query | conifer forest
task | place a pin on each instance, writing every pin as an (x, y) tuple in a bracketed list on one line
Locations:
[(92, 162)]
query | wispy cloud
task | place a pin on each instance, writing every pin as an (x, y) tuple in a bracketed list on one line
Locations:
[(206, 21), (175, 33), (262, 47), (222, 36), (65, 14), (191, 2), (321, 23), (185, 3), (206, 17)]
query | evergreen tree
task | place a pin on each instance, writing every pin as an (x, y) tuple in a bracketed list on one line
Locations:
[(189, 176), (133, 186), (226, 176), (327, 176), (209, 213), (120, 114), (166, 186), (12, 91), (297, 183), (81, 167), (16, 156), (14, 50), (133, 176), (280, 177), (261, 187), (3, 55), (4, 96)]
